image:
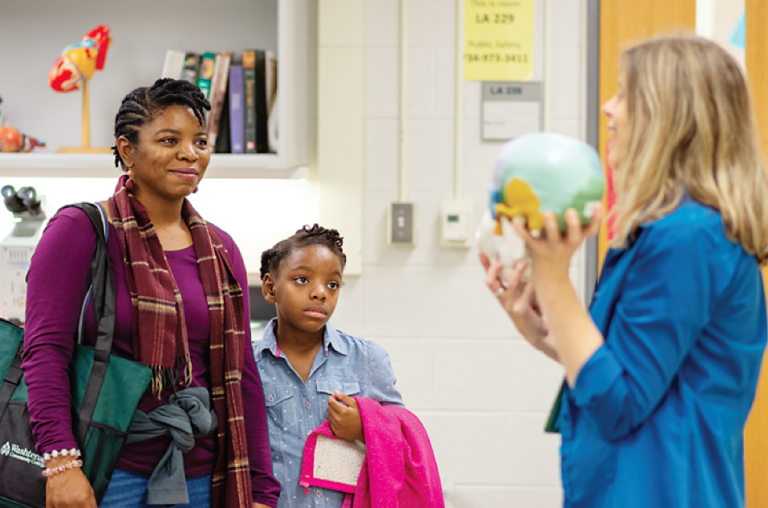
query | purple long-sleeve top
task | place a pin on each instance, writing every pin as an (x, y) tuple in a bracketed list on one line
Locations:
[(56, 286)]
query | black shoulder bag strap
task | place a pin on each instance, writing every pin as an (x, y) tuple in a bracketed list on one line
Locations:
[(12, 379), (104, 311)]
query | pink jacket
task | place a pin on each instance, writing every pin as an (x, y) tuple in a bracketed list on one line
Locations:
[(399, 468)]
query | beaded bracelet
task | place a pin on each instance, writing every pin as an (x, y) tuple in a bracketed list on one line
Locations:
[(50, 471), (74, 452)]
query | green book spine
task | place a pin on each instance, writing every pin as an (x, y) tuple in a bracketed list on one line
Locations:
[(249, 79), (205, 76)]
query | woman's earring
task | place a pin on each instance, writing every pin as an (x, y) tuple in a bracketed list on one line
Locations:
[(129, 182)]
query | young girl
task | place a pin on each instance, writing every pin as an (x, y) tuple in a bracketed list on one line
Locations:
[(310, 370)]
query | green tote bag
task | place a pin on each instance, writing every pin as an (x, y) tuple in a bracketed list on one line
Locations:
[(105, 392)]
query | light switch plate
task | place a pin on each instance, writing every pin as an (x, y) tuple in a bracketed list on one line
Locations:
[(401, 224)]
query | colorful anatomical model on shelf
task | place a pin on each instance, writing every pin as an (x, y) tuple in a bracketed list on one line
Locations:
[(74, 69), (12, 140), (79, 61)]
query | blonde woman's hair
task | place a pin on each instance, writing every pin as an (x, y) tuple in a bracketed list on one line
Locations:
[(692, 132)]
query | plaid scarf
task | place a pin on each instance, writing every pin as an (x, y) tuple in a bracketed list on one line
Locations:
[(160, 334)]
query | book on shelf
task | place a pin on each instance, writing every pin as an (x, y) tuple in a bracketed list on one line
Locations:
[(272, 124), (218, 94), (236, 109), (249, 80), (224, 139), (205, 75), (272, 108), (260, 100), (173, 64), (191, 67), (244, 96), (271, 78)]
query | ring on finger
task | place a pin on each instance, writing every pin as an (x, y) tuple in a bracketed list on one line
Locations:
[(500, 291)]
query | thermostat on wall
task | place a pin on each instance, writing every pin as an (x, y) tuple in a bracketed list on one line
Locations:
[(455, 224)]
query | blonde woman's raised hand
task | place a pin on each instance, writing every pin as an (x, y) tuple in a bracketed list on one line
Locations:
[(518, 298), (552, 253)]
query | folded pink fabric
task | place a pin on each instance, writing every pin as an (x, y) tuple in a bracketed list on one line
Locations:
[(399, 469)]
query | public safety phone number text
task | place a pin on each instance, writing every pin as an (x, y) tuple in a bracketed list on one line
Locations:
[(496, 57)]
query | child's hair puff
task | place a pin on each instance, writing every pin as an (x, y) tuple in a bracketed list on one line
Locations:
[(304, 237)]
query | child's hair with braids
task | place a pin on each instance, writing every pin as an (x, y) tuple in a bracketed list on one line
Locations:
[(144, 103), (306, 236)]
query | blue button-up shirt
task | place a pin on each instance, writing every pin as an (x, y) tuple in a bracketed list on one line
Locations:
[(349, 364), (657, 414)]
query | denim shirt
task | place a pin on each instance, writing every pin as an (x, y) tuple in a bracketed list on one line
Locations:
[(354, 366)]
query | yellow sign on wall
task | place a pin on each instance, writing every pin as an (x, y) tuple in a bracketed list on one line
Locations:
[(498, 40)]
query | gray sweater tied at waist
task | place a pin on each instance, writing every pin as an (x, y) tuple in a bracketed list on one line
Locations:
[(186, 416)]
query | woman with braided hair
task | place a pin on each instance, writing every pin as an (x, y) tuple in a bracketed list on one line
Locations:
[(181, 309)]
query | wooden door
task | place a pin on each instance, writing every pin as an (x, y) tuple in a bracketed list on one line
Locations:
[(623, 22), (756, 433)]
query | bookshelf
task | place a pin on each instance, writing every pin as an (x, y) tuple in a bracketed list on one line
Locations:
[(268, 166), (142, 31)]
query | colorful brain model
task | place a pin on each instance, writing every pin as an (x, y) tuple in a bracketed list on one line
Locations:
[(79, 61), (545, 172), (536, 173)]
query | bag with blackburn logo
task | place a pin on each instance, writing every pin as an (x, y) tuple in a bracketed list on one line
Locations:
[(103, 404)]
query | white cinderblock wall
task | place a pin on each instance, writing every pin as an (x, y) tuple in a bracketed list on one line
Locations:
[(481, 391)]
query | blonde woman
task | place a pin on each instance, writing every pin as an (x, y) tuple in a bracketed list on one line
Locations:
[(662, 372)]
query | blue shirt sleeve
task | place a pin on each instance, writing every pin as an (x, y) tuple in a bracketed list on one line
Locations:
[(667, 298), (381, 377)]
